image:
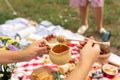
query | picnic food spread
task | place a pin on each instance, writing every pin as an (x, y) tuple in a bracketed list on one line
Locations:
[(50, 32), (98, 71)]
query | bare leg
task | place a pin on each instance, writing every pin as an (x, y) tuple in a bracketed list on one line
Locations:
[(84, 14), (98, 14)]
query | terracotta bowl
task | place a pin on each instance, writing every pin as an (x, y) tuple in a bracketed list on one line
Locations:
[(104, 55), (60, 54), (109, 70), (103, 59)]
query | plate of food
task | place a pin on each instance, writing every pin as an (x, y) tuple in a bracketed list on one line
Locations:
[(45, 73), (42, 73)]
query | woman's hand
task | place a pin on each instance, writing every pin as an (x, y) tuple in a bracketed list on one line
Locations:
[(90, 51), (81, 44), (37, 48)]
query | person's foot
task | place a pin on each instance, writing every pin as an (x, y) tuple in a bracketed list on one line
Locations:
[(105, 35), (82, 29)]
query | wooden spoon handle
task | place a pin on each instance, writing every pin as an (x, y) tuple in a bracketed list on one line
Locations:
[(97, 42)]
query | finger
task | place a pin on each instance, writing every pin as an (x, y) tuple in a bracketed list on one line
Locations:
[(89, 43), (86, 39), (91, 37), (37, 43), (79, 46), (48, 47), (78, 50), (97, 47), (45, 42), (82, 43), (41, 43), (42, 48), (45, 52)]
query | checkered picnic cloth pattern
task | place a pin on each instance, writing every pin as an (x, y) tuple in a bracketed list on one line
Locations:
[(24, 69)]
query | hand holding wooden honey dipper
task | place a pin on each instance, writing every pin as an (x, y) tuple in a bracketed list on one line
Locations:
[(62, 38), (104, 47)]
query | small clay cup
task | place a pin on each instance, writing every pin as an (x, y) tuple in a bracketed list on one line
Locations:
[(60, 54)]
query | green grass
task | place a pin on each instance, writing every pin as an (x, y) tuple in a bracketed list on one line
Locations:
[(60, 13)]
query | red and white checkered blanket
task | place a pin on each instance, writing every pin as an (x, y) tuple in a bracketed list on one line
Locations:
[(24, 69)]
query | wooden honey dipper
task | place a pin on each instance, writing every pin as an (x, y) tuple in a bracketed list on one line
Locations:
[(62, 38)]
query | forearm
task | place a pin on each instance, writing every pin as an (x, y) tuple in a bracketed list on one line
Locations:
[(13, 56), (80, 72), (88, 55)]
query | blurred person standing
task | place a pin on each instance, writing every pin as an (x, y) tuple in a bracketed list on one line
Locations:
[(98, 6)]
